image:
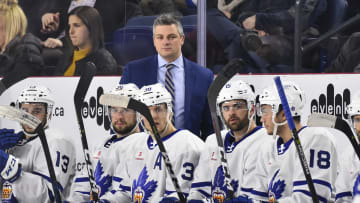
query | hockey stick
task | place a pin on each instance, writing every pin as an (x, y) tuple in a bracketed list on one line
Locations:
[(329, 121), (222, 78), (297, 143), (25, 118), (83, 85), (126, 102)]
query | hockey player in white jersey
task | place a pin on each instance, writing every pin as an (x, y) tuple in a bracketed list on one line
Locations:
[(124, 122), (285, 181), (350, 164), (356, 190), (242, 140), (144, 176), (29, 181)]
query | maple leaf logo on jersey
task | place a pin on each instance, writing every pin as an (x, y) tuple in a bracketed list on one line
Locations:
[(276, 189), (143, 189), (102, 182), (218, 188)]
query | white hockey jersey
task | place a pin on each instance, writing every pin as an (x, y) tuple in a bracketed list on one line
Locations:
[(348, 172), (144, 175), (34, 185), (285, 181), (106, 158), (241, 157)]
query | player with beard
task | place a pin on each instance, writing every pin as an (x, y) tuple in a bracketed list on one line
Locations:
[(124, 122), (242, 139), (144, 174), (350, 164)]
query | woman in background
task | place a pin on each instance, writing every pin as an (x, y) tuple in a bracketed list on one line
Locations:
[(84, 43), (19, 51)]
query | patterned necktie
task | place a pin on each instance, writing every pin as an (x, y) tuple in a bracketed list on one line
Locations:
[(169, 85)]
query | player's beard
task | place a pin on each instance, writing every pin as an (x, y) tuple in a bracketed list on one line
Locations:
[(241, 124), (126, 129)]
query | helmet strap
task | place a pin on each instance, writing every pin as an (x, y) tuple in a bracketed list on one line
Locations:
[(276, 125)]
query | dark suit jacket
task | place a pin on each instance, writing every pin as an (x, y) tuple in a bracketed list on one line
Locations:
[(197, 81)]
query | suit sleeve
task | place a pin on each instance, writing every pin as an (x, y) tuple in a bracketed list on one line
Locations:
[(125, 78), (35, 186), (206, 123)]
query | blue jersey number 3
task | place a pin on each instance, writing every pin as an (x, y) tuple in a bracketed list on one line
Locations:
[(189, 171)]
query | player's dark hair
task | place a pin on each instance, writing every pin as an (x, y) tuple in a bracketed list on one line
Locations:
[(296, 119)]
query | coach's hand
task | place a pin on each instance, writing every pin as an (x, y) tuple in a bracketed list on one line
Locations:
[(8, 138)]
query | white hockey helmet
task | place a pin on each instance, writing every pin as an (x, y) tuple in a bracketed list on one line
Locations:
[(236, 90), (295, 97), (353, 108), (155, 94), (128, 90), (37, 94)]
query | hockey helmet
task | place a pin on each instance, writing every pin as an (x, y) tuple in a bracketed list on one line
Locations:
[(155, 94), (37, 94), (295, 97)]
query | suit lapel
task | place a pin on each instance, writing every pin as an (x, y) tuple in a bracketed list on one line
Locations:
[(189, 78), (153, 70), (152, 74)]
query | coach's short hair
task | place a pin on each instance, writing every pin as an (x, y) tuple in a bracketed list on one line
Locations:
[(168, 19)]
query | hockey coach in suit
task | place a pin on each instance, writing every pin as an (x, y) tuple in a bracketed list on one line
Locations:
[(188, 82)]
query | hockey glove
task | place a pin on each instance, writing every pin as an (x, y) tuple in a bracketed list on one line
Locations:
[(357, 186), (240, 199), (169, 200), (9, 167), (8, 138)]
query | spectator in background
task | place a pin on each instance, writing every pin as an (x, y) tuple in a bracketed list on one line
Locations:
[(19, 51), (157, 7), (271, 21), (85, 39), (114, 14), (33, 10), (190, 81), (348, 59)]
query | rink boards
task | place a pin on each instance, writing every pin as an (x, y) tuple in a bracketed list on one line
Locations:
[(326, 93)]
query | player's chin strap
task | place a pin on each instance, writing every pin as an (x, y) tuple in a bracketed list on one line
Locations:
[(169, 115), (276, 125), (162, 132)]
